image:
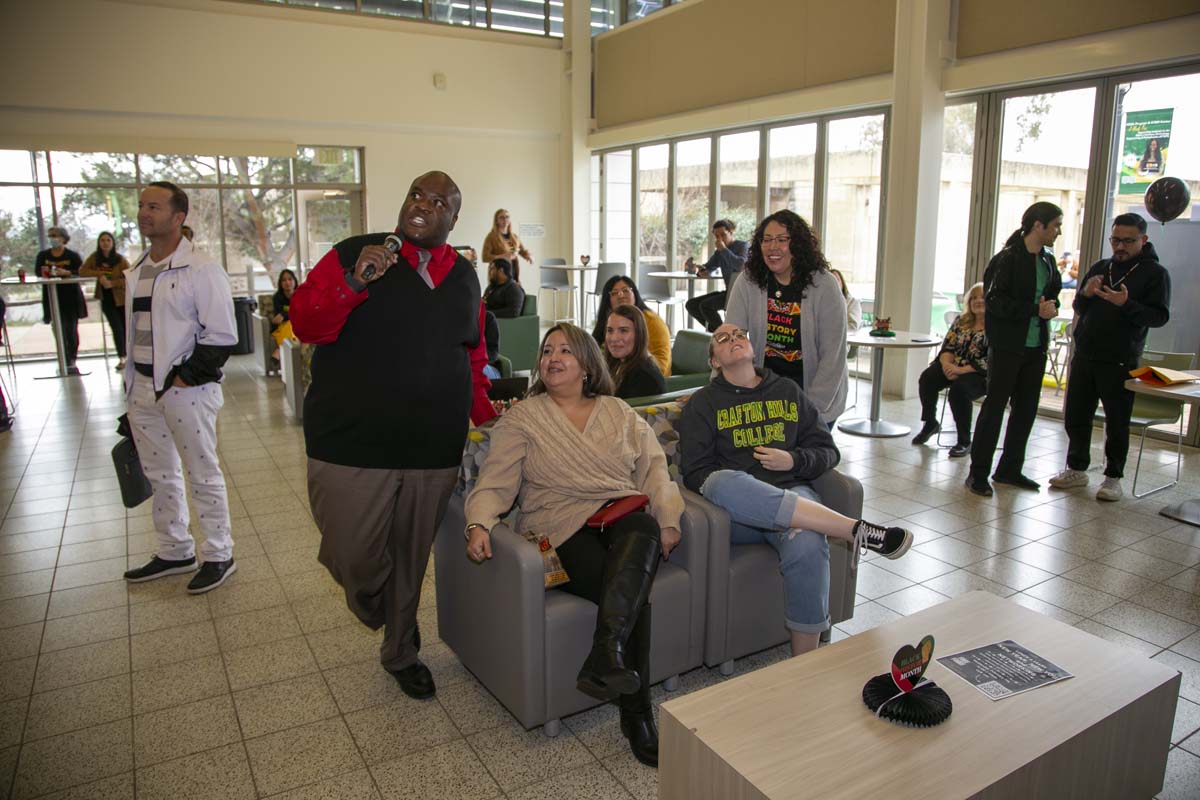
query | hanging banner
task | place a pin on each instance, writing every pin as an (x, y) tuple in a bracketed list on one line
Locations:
[(1144, 150)]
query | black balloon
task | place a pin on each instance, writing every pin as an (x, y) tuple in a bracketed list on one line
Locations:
[(1167, 198)]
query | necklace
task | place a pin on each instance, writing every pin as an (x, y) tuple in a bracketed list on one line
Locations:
[(1123, 278), (776, 287)]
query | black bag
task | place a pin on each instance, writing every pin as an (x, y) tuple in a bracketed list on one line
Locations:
[(135, 489)]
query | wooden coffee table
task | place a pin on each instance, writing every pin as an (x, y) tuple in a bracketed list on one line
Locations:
[(799, 729)]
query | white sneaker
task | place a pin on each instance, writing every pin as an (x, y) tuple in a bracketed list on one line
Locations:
[(1110, 490), (1069, 479)]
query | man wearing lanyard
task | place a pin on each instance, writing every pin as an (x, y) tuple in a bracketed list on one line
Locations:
[(180, 330), (1121, 299), (396, 375)]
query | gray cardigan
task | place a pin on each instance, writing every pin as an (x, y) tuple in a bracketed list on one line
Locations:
[(822, 336)]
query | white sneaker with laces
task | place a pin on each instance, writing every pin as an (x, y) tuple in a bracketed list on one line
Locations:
[(1069, 479), (1110, 490)]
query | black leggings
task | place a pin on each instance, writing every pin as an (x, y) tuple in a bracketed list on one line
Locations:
[(963, 390), (583, 555), (115, 315)]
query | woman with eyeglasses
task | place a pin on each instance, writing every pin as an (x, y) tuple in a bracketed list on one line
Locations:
[(633, 371), (622, 291), (503, 244), (793, 308), (751, 442)]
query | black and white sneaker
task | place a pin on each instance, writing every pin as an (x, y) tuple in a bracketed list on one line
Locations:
[(160, 568), (211, 575), (888, 542)]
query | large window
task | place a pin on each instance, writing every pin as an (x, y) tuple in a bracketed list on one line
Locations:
[(954, 213), (737, 181), (854, 166), (541, 17), (693, 214), (652, 205), (791, 169), (618, 206), (257, 215)]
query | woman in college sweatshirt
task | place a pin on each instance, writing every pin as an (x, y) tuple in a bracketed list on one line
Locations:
[(750, 442)]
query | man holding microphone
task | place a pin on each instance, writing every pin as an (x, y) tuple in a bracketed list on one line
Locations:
[(397, 373)]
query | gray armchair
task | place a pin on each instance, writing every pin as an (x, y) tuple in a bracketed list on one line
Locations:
[(745, 610), (524, 643)]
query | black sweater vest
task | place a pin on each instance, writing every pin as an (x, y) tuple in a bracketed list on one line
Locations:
[(394, 390)]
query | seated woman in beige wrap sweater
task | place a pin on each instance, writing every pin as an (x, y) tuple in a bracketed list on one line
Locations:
[(562, 453)]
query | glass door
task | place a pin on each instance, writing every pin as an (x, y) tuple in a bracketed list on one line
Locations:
[(1045, 155)]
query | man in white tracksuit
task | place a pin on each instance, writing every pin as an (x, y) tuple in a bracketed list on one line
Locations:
[(180, 323)]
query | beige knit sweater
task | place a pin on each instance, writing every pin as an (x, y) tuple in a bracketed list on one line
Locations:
[(560, 477)]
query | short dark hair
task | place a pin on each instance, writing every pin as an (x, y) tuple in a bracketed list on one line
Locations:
[(727, 224), (179, 198), (1135, 220)]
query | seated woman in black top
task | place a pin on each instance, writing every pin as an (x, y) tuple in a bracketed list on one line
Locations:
[(504, 297), (629, 362)]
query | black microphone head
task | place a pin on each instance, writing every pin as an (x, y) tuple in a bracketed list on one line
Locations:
[(392, 243)]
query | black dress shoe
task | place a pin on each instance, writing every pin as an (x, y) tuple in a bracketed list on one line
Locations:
[(416, 681), (979, 485), (959, 450), (1018, 480), (928, 430), (639, 729)]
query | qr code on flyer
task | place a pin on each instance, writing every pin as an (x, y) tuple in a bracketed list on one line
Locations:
[(994, 689)]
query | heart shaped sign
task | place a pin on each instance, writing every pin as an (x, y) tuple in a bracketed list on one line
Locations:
[(909, 664)]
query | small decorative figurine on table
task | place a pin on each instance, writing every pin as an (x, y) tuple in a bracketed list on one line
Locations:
[(903, 695), (883, 327)]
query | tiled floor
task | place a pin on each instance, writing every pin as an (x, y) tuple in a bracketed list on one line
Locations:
[(268, 687)]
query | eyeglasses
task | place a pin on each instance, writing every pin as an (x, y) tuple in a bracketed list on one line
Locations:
[(1116, 240), (774, 239), (620, 290), (727, 336)]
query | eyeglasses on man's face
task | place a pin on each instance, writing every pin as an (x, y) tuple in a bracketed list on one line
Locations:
[(725, 337), (769, 240), (1116, 240)]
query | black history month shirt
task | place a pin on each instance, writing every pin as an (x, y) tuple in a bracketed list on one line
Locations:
[(783, 353)]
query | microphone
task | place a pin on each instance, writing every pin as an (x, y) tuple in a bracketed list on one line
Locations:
[(392, 244)]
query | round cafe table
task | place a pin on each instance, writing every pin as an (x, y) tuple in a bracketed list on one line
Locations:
[(55, 316), (873, 426)]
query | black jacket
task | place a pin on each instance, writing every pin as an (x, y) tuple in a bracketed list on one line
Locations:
[(1008, 284), (723, 423), (504, 300), (1117, 334)]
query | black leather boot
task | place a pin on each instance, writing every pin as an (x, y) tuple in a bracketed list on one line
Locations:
[(637, 712), (629, 570)]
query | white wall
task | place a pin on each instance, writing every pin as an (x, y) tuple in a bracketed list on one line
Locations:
[(222, 71)]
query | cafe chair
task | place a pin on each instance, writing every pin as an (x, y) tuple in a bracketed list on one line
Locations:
[(1149, 410), (555, 281)]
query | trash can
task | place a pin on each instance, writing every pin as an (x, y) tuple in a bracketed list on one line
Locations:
[(243, 308)]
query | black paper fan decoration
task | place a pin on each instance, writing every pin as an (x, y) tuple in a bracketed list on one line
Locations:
[(923, 707)]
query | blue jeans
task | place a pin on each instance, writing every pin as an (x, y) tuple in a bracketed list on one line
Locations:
[(760, 512)]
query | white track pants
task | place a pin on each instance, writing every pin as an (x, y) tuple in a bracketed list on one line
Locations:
[(175, 434)]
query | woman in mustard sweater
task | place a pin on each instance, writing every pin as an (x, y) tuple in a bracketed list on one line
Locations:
[(562, 454)]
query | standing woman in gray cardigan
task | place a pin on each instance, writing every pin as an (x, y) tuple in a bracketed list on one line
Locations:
[(794, 311)]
